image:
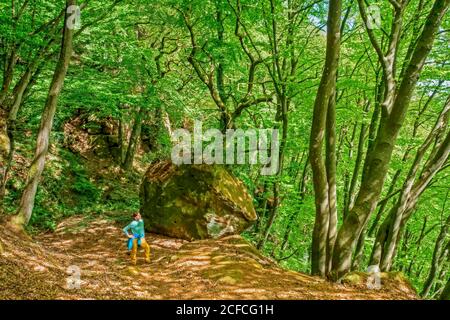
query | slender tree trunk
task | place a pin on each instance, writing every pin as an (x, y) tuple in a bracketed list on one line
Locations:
[(272, 216), (8, 75), (412, 190), (279, 172), (379, 158), (37, 166), (302, 194), (220, 33), (436, 263), (120, 138), (4, 145), (330, 163), (17, 98), (262, 208), (389, 233), (18, 93), (347, 177), (383, 204), (418, 245), (321, 232), (359, 251), (134, 139), (356, 169), (445, 295), (279, 73)]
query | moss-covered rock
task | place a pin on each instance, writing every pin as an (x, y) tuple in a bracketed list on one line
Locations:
[(355, 278), (194, 201), (386, 281)]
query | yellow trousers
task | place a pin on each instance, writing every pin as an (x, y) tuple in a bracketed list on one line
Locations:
[(134, 250)]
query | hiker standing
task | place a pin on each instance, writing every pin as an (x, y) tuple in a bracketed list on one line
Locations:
[(137, 238)]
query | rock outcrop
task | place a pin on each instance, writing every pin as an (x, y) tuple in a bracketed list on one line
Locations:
[(194, 201)]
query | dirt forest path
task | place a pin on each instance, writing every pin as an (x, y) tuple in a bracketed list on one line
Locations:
[(228, 268)]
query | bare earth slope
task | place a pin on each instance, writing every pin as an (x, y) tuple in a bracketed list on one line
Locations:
[(229, 268)]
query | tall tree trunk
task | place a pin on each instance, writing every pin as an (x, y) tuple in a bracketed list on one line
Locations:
[(8, 74), (412, 190), (359, 251), (4, 144), (120, 138), (379, 158), (16, 101), (436, 263), (279, 172), (383, 204), (356, 168), (417, 245), (320, 241), (302, 193), (37, 166), (347, 176), (279, 73), (330, 163), (445, 295), (134, 139)]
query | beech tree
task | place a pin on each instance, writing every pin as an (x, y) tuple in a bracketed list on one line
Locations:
[(37, 166), (394, 109), (323, 125), (361, 105)]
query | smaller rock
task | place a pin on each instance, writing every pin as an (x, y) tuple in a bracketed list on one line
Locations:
[(353, 279), (39, 268), (228, 280), (132, 271)]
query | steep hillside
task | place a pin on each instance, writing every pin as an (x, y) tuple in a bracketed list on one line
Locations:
[(229, 268)]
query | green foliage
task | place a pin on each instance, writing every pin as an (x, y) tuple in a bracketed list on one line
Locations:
[(134, 55)]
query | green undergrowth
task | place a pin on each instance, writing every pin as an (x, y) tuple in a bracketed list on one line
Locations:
[(70, 187)]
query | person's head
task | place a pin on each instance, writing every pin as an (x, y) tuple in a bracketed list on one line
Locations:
[(137, 216)]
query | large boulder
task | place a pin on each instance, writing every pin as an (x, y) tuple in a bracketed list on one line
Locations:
[(194, 201)]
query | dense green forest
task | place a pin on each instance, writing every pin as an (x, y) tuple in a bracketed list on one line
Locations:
[(92, 93)]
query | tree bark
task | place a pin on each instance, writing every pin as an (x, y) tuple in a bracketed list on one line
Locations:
[(321, 233), (417, 245), (347, 177), (389, 233), (379, 158), (356, 168), (412, 190), (436, 263), (4, 144), (8, 74), (383, 204), (134, 140), (330, 163), (445, 295)]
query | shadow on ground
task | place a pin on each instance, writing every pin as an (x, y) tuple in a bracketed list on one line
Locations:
[(229, 268)]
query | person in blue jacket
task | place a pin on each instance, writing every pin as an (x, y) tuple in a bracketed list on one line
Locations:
[(137, 238)]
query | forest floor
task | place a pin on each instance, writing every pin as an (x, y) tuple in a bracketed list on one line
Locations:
[(39, 267)]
